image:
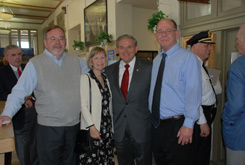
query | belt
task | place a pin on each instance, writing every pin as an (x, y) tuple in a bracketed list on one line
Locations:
[(209, 107), (172, 118)]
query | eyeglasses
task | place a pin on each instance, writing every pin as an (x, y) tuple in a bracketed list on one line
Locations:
[(61, 38), (167, 32)]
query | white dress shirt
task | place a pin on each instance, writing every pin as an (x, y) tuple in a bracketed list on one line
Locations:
[(208, 95), (15, 70), (130, 70)]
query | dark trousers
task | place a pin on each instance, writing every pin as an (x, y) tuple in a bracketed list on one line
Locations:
[(25, 139), (56, 144), (166, 149), (129, 150), (202, 145)]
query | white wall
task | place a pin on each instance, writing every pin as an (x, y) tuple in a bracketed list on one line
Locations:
[(124, 19), (146, 39)]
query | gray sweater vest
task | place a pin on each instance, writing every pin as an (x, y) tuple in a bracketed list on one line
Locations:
[(57, 91)]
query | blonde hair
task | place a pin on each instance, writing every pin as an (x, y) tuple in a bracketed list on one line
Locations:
[(93, 52)]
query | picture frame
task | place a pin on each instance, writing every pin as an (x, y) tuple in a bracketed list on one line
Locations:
[(95, 21), (111, 54)]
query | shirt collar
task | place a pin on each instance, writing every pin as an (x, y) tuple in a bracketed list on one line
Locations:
[(13, 67), (131, 63), (53, 56), (171, 51), (201, 61)]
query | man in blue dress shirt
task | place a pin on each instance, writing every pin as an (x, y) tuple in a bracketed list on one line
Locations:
[(180, 98), (234, 111)]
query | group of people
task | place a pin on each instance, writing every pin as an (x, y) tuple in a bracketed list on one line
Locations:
[(165, 107)]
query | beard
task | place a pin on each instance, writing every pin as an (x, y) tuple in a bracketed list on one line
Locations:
[(57, 49)]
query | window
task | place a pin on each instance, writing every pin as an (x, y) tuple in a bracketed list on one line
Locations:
[(21, 37), (195, 10)]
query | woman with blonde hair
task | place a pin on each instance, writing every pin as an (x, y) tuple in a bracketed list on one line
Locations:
[(99, 121)]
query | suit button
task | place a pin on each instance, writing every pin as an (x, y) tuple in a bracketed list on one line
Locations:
[(231, 124), (126, 103), (125, 116)]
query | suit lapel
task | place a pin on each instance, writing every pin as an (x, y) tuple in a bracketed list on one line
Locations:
[(116, 78), (11, 74), (135, 76)]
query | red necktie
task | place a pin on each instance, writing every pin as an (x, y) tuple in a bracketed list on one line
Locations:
[(19, 72), (124, 84)]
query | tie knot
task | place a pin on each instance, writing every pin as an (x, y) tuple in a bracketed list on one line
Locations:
[(19, 72), (126, 66), (164, 55)]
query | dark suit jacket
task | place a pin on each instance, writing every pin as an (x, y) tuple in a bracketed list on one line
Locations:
[(7, 82), (134, 110)]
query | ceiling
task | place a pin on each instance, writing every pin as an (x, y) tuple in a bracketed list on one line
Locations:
[(37, 11), (29, 11)]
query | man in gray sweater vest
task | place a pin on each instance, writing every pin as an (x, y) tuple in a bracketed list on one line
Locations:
[(55, 79)]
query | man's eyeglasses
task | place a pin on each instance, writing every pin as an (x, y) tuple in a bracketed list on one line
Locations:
[(62, 38), (167, 32)]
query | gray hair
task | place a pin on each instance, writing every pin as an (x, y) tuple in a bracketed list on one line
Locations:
[(10, 47), (126, 36), (52, 28)]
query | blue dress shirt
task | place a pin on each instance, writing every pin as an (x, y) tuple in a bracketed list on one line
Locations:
[(181, 91), (27, 83), (234, 111)]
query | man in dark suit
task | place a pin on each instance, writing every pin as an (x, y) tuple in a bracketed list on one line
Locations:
[(130, 84), (24, 122)]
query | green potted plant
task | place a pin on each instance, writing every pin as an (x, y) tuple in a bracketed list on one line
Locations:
[(104, 38), (156, 17), (78, 45)]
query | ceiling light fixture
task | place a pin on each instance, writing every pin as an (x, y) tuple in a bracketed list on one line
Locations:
[(4, 15)]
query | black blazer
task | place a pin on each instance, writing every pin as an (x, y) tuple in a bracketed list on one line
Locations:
[(7, 82)]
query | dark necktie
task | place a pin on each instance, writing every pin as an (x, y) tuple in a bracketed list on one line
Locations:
[(124, 84), (210, 81), (19, 72), (157, 94)]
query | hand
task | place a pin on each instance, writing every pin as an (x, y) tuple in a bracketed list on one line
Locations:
[(94, 133), (4, 118), (185, 135), (28, 103), (205, 130)]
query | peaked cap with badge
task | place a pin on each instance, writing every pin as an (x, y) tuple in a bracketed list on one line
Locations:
[(202, 37)]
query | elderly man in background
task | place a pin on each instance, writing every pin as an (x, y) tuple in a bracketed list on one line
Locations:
[(201, 46), (234, 111), (54, 76), (24, 122)]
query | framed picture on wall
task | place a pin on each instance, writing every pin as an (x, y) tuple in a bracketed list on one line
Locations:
[(111, 54), (95, 21)]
